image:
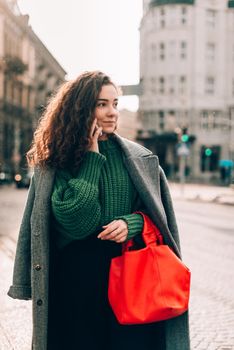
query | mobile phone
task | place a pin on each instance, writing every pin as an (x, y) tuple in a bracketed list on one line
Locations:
[(96, 127)]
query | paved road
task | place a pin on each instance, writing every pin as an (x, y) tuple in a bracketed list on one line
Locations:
[(207, 234), (207, 238)]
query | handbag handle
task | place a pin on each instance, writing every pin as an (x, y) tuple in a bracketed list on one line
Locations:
[(150, 233)]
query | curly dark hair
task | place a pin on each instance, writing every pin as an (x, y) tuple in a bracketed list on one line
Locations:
[(62, 136)]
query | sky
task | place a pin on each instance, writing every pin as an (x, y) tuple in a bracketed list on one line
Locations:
[(91, 34)]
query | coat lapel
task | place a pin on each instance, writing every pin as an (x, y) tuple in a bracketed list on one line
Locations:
[(143, 168)]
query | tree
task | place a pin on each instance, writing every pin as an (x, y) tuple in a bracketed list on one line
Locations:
[(14, 66)]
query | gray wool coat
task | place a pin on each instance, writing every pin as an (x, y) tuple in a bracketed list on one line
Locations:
[(31, 268)]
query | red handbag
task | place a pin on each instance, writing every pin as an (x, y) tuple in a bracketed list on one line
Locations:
[(150, 284)]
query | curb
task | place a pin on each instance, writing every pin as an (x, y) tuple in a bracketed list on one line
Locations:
[(215, 200)]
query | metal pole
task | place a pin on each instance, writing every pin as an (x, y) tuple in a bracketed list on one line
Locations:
[(207, 163), (182, 174)]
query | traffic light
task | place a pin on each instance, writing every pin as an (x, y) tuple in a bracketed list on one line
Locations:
[(208, 152), (210, 156), (184, 137)]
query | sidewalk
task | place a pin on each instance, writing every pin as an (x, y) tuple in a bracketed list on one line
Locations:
[(15, 315), (202, 193)]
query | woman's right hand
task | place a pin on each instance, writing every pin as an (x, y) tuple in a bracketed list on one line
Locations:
[(95, 133)]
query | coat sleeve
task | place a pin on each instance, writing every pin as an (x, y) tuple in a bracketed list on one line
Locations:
[(168, 207), (176, 329), (21, 286)]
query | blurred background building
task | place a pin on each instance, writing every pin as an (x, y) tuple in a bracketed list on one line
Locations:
[(128, 124), (28, 76), (186, 105), (186, 88)]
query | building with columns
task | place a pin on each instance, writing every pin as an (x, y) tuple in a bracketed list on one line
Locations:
[(28, 75), (187, 82)]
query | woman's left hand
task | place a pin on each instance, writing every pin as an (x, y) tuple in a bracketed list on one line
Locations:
[(116, 231)]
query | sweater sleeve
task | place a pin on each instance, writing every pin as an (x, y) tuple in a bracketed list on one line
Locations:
[(135, 224), (75, 203)]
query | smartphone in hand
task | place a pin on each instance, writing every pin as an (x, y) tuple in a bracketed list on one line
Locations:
[(96, 127)]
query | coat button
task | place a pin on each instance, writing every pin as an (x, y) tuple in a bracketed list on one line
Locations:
[(38, 267), (39, 302)]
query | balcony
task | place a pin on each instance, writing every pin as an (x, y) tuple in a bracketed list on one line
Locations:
[(167, 2)]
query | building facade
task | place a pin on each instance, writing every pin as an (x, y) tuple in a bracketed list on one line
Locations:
[(128, 124), (28, 75), (187, 82)]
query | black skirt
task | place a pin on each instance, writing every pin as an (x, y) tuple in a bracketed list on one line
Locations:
[(80, 317)]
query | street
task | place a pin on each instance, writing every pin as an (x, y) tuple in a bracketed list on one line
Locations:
[(207, 240)]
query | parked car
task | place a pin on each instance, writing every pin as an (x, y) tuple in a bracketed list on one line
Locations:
[(22, 180), (5, 178)]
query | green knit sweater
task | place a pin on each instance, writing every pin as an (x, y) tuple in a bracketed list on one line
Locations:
[(100, 192)]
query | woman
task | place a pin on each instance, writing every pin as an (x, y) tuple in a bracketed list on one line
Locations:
[(87, 184)]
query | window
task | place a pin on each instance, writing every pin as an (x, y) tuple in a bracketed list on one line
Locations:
[(152, 122), (210, 51), (183, 15), (204, 120), (162, 51), (171, 84), (210, 120), (210, 86), (153, 85), (161, 120), (146, 120), (153, 52), (149, 120), (162, 23), (162, 18), (183, 50), (182, 85), (172, 49), (20, 93), (161, 85), (216, 118), (29, 98), (16, 94), (172, 18), (210, 18), (10, 91), (8, 140)]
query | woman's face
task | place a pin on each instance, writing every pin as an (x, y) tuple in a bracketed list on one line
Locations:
[(106, 110)]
